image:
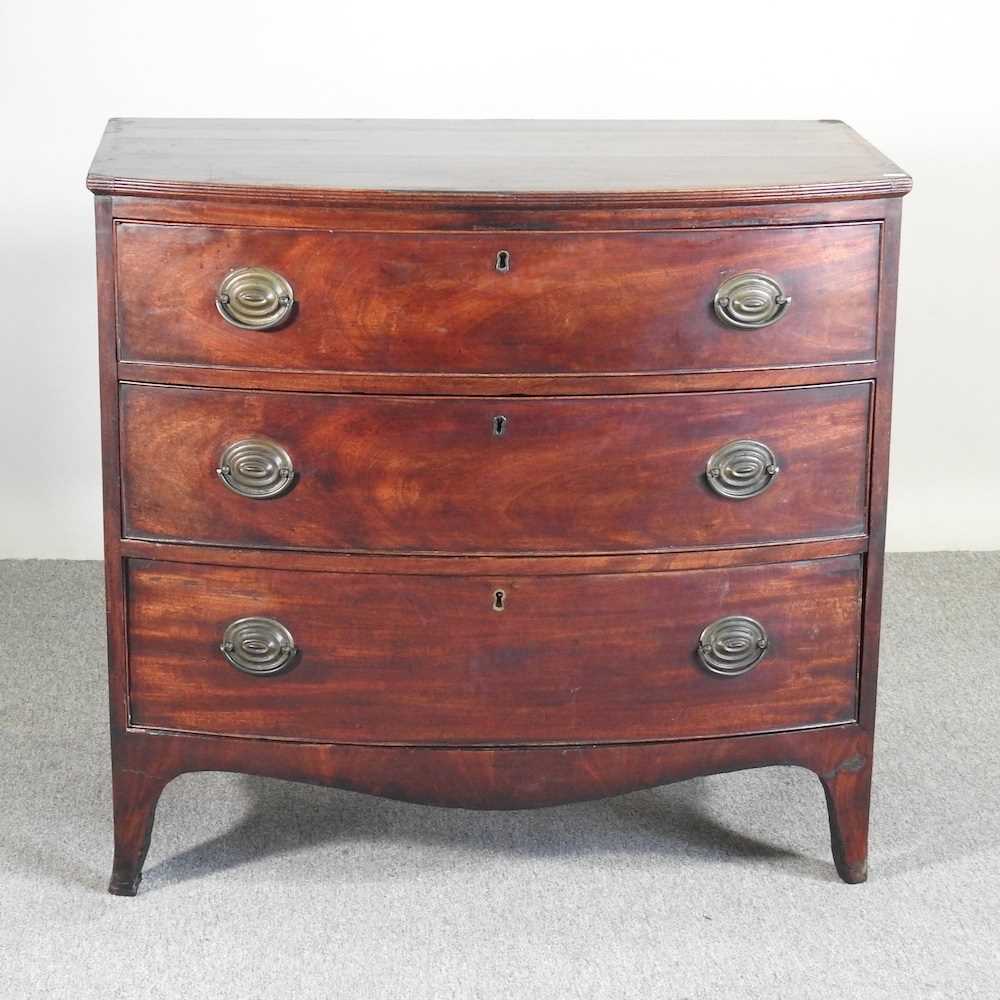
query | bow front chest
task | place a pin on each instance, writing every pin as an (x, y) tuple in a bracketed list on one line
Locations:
[(493, 464)]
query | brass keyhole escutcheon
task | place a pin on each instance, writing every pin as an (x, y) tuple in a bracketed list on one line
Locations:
[(499, 425), (499, 600), (503, 261)]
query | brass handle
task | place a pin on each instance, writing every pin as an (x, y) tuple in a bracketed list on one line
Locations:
[(732, 646), (254, 298), (741, 469), (257, 468), (750, 301), (258, 645)]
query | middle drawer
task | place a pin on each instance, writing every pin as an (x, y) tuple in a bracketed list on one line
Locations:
[(465, 475)]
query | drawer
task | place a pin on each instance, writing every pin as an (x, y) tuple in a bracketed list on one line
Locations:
[(436, 303), (494, 475), (427, 659)]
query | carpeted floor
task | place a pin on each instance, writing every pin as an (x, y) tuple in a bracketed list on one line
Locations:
[(716, 888)]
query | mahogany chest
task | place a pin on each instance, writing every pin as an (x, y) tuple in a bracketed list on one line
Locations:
[(493, 464)]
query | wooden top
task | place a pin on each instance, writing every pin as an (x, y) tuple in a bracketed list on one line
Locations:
[(492, 162)]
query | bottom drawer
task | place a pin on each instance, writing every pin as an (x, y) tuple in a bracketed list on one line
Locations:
[(460, 660)]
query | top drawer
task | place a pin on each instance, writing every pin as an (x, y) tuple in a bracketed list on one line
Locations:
[(498, 303)]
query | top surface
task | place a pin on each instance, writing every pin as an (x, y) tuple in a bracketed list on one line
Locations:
[(518, 161)]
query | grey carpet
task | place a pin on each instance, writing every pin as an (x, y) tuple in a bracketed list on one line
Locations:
[(717, 888)]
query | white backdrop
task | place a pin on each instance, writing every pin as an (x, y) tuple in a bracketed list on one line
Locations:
[(923, 88)]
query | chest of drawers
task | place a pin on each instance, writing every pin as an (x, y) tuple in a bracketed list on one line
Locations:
[(493, 464)]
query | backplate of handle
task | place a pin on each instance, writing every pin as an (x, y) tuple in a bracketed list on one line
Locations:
[(258, 645), (750, 300), (255, 298), (741, 469), (257, 468), (732, 645)]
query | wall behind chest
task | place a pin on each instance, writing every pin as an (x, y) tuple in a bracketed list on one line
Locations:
[(61, 77)]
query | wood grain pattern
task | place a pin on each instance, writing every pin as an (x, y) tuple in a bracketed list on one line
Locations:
[(879, 489), (505, 566), (491, 385), (510, 215), (490, 778), (491, 162), (494, 778), (418, 660), (713, 180), (393, 474), (571, 303), (110, 467)]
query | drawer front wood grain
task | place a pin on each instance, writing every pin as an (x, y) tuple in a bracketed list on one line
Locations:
[(494, 475), (427, 660), (572, 303)]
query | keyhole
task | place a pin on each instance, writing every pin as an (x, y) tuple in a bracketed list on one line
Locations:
[(503, 261), (499, 597), (499, 425)]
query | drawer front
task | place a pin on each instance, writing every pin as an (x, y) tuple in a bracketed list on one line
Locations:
[(488, 475), (437, 303), (425, 659)]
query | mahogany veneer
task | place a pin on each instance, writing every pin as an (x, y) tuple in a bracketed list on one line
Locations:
[(493, 464), (573, 474), (371, 670), (569, 303)]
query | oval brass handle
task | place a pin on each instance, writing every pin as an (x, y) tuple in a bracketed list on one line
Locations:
[(258, 645), (257, 468), (732, 646), (741, 469), (255, 298), (750, 301)]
